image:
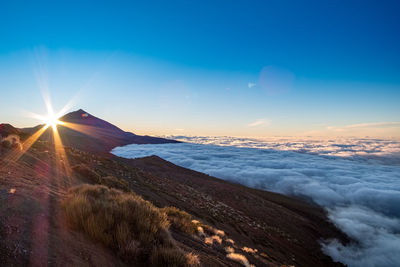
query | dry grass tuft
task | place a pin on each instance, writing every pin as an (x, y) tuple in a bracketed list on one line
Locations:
[(12, 141), (200, 231), (114, 182), (250, 250), (87, 174), (173, 257), (213, 239), (229, 250), (239, 258), (121, 221), (219, 232), (208, 230), (180, 220), (133, 227), (230, 241), (193, 260)]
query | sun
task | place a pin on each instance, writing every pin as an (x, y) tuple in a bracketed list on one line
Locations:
[(52, 120)]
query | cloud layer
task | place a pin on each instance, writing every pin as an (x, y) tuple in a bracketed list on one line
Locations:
[(356, 180)]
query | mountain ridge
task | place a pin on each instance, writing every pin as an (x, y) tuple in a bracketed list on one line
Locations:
[(85, 131), (7, 129)]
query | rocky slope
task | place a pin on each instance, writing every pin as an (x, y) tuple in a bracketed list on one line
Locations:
[(264, 228)]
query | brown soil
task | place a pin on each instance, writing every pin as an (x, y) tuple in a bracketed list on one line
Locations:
[(33, 229)]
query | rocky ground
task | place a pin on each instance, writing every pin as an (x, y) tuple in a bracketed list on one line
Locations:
[(33, 229), (236, 225)]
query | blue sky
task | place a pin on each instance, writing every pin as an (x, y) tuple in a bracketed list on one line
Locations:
[(243, 68)]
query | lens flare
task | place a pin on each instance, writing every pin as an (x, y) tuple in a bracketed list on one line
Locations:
[(52, 120)]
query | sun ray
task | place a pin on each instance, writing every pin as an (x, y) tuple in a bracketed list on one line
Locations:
[(63, 166), (50, 121), (86, 129), (33, 115)]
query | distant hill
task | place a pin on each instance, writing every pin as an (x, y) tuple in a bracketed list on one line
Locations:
[(7, 129), (89, 133)]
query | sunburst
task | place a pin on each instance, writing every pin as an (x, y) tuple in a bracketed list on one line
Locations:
[(52, 120)]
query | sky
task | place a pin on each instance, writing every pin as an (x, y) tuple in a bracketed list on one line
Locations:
[(236, 68)]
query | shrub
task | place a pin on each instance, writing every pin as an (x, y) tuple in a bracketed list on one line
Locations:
[(166, 256), (200, 231), (124, 222), (193, 260), (239, 258), (114, 182), (249, 250), (87, 174), (180, 220), (212, 240), (133, 227), (230, 241), (219, 232), (6, 144), (229, 250), (208, 230), (11, 141)]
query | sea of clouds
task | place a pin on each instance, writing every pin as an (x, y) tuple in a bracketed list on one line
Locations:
[(356, 180)]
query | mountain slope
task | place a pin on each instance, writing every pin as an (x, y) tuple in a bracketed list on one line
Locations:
[(284, 230), (287, 229)]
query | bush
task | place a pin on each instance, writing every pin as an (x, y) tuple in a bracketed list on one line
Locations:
[(171, 257), (133, 227), (211, 240), (6, 144), (180, 220), (11, 142), (124, 222), (92, 177), (114, 182), (239, 258), (87, 174), (193, 260)]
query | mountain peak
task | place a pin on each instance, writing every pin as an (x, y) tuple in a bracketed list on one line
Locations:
[(81, 110), (75, 115)]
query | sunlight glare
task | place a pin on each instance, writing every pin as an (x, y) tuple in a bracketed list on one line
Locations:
[(52, 120)]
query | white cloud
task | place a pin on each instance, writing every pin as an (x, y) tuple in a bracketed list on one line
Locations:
[(356, 180), (373, 124), (251, 85), (259, 122), (376, 125)]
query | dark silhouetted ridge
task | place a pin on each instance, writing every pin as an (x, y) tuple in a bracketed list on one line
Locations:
[(89, 133), (7, 129)]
